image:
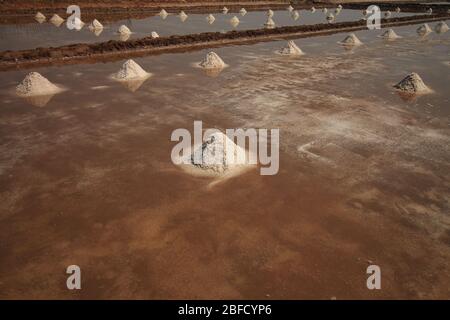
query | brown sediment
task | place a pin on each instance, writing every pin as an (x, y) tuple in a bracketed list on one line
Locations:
[(112, 50)]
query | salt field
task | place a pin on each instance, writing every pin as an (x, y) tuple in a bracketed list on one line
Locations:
[(86, 174), (31, 35)]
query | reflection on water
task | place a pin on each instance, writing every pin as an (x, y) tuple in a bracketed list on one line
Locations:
[(33, 35)]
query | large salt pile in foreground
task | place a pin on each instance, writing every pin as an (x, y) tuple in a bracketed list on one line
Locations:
[(441, 27), (217, 155), (212, 61), (351, 40), (412, 84), (56, 20), (389, 35), (424, 29), (234, 21), (123, 29), (130, 71), (40, 17), (243, 12), (290, 50), (35, 84), (270, 23)]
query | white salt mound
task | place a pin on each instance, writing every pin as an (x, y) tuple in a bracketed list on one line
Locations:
[(290, 8), (243, 12), (295, 15), (397, 10), (234, 21), (313, 9), (210, 18), (441, 27), (424, 29), (324, 10), (351, 39), (339, 7), (270, 13), (225, 10), (56, 19), (269, 23), (154, 35), (390, 35), (183, 16), (337, 11), (163, 13), (412, 84), (330, 17), (212, 61), (40, 17), (123, 29), (95, 25), (130, 71), (35, 84), (217, 154), (291, 49)]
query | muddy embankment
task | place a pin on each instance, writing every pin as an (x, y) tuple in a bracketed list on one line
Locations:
[(114, 50)]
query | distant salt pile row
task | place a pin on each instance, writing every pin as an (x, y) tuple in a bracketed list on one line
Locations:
[(290, 49), (412, 84)]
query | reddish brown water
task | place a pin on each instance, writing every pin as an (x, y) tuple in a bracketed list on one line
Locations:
[(364, 177)]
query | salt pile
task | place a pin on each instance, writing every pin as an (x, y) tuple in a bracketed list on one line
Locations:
[(295, 15), (412, 84), (430, 11), (123, 29), (243, 12), (212, 61), (441, 27), (95, 25), (390, 35), (35, 84), (56, 20), (290, 8), (154, 35), (330, 17), (290, 50), (313, 9), (387, 14), (397, 10), (225, 10), (210, 18), (234, 21), (218, 154), (324, 10), (337, 11), (339, 7), (351, 40), (130, 71), (39, 17), (424, 29), (269, 23), (163, 14), (183, 16), (270, 13)]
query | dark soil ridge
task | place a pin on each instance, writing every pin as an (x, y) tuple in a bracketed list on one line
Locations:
[(116, 50)]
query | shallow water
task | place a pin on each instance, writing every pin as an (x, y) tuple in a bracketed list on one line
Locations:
[(33, 35), (364, 176)]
